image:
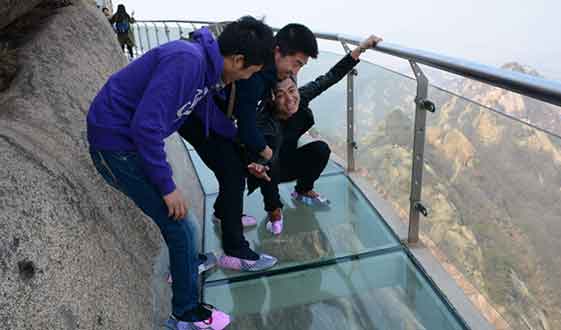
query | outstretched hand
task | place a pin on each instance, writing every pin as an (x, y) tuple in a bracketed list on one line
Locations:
[(370, 42), (259, 171)]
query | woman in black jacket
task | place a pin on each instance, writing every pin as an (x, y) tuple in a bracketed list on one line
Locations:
[(283, 121)]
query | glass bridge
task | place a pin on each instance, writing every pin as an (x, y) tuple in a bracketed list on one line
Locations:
[(488, 161)]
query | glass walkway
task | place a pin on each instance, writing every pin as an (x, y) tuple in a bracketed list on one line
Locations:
[(472, 149), (339, 267)]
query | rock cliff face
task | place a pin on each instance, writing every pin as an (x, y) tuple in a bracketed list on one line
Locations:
[(12, 9), (74, 254)]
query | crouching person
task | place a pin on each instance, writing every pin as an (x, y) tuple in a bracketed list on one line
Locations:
[(283, 121)]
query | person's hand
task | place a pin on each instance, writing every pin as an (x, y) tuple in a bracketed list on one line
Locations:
[(267, 153), (259, 171), (177, 207), (370, 42)]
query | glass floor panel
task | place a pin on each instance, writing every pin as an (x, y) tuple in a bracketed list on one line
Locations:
[(206, 177), (208, 180), (349, 226), (377, 292)]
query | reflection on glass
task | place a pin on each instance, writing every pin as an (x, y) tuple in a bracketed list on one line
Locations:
[(330, 108), (385, 115), (349, 226), (381, 292)]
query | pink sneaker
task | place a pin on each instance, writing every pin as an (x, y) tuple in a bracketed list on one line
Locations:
[(217, 321), (247, 220), (275, 222), (233, 263)]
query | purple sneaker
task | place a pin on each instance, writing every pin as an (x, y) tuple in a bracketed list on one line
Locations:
[(264, 262), (275, 222), (247, 220), (310, 198), (217, 321)]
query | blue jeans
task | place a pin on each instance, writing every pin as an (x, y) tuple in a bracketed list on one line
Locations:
[(123, 171)]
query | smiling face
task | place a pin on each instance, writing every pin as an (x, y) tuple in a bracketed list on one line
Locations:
[(287, 98), (289, 65)]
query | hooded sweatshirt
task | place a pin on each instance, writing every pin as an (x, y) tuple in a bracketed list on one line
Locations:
[(149, 99)]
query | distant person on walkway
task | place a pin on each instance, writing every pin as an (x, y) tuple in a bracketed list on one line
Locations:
[(144, 103), (283, 120), (122, 21), (224, 154)]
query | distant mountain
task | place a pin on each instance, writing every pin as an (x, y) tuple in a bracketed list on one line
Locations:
[(521, 107)]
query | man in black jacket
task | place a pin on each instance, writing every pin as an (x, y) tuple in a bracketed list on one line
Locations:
[(292, 47), (283, 121)]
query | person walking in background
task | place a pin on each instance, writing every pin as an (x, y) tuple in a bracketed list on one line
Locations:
[(123, 21)]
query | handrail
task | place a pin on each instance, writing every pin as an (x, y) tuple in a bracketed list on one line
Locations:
[(524, 84), (174, 21), (539, 88)]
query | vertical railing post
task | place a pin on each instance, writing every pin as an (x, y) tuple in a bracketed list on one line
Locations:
[(166, 29), (422, 105), (149, 46), (139, 37), (351, 144), (180, 31), (157, 34)]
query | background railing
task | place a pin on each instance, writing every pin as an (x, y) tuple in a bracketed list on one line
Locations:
[(483, 163)]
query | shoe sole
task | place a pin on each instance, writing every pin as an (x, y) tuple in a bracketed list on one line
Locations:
[(248, 269), (244, 225)]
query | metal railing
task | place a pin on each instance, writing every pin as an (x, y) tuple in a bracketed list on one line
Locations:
[(534, 87)]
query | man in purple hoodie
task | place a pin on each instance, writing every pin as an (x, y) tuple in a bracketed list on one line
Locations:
[(145, 102)]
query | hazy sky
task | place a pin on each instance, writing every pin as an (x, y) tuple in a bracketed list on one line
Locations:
[(487, 31)]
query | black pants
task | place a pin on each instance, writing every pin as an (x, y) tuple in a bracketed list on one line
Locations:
[(222, 156), (303, 164), (129, 48)]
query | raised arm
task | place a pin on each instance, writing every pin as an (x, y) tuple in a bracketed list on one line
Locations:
[(314, 88)]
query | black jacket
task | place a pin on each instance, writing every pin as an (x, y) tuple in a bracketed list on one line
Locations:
[(282, 135), (248, 95)]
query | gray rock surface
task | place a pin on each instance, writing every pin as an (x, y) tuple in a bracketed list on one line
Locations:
[(74, 254), (12, 9)]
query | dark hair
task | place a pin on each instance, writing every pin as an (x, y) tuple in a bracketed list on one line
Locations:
[(248, 37), (121, 14), (296, 38)]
